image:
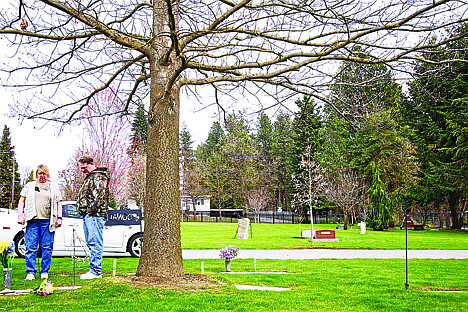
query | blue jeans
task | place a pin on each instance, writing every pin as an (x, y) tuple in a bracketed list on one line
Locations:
[(93, 227), (37, 231)]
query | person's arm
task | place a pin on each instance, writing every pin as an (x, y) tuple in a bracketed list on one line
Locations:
[(59, 214), (21, 210)]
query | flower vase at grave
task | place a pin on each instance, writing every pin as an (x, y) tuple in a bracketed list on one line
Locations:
[(7, 275), (228, 265)]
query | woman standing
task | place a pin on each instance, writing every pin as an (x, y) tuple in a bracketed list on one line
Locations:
[(40, 212)]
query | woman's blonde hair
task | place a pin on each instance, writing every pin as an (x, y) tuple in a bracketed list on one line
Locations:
[(44, 169)]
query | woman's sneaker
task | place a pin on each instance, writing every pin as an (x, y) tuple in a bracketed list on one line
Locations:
[(44, 275), (29, 277)]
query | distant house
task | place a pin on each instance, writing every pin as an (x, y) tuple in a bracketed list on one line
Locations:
[(202, 203), (132, 204)]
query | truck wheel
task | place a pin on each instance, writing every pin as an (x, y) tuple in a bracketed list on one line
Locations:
[(134, 245), (20, 247)]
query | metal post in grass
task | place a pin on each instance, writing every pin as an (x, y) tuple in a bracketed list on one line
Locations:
[(310, 201), (73, 259), (406, 230)]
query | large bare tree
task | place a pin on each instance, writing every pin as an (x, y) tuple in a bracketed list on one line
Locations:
[(256, 200), (346, 191), (66, 52)]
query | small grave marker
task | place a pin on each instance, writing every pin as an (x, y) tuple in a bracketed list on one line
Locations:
[(325, 236), (363, 227), (306, 233), (243, 228), (407, 223)]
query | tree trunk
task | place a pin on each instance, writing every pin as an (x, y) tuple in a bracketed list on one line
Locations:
[(345, 226), (161, 254), (219, 204), (194, 206), (453, 204)]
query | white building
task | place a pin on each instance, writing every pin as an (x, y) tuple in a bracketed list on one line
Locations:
[(202, 203)]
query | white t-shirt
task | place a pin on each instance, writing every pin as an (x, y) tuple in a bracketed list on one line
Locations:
[(42, 200)]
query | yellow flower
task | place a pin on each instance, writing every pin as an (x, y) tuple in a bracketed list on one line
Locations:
[(46, 288), (3, 246)]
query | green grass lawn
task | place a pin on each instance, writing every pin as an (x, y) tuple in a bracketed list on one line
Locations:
[(211, 235), (315, 285)]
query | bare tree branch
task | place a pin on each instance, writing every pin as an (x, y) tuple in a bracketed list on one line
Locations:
[(287, 44)]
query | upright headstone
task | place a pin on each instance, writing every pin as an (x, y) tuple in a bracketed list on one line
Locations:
[(407, 223), (243, 228), (363, 227)]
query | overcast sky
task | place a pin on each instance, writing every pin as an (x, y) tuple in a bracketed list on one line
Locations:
[(44, 144)]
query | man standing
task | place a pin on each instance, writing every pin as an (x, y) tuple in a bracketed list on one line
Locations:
[(92, 203)]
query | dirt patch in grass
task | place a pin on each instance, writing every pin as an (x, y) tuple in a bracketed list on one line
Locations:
[(187, 281), (428, 288)]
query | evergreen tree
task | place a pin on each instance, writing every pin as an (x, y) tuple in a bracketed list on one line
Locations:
[(139, 129), (240, 150), (186, 163), (214, 175), (307, 127), (211, 163), (31, 176), (185, 153), (283, 149), (233, 165), (8, 172), (436, 115), (265, 133), (458, 126), (361, 89), (307, 138), (380, 203), (185, 145), (366, 131), (361, 128), (213, 142), (137, 152)]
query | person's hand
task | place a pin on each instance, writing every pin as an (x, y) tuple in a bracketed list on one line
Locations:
[(58, 223), (20, 219)]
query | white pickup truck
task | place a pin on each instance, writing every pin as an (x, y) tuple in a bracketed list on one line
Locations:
[(123, 231)]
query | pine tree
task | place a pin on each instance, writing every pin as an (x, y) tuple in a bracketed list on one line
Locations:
[(212, 166), (8, 168), (307, 127), (380, 202), (240, 149), (265, 133), (283, 147), (307, 139), (436, 115), (365, 130), (185, 153), (185, 167), (139, 130), (213, 142)]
